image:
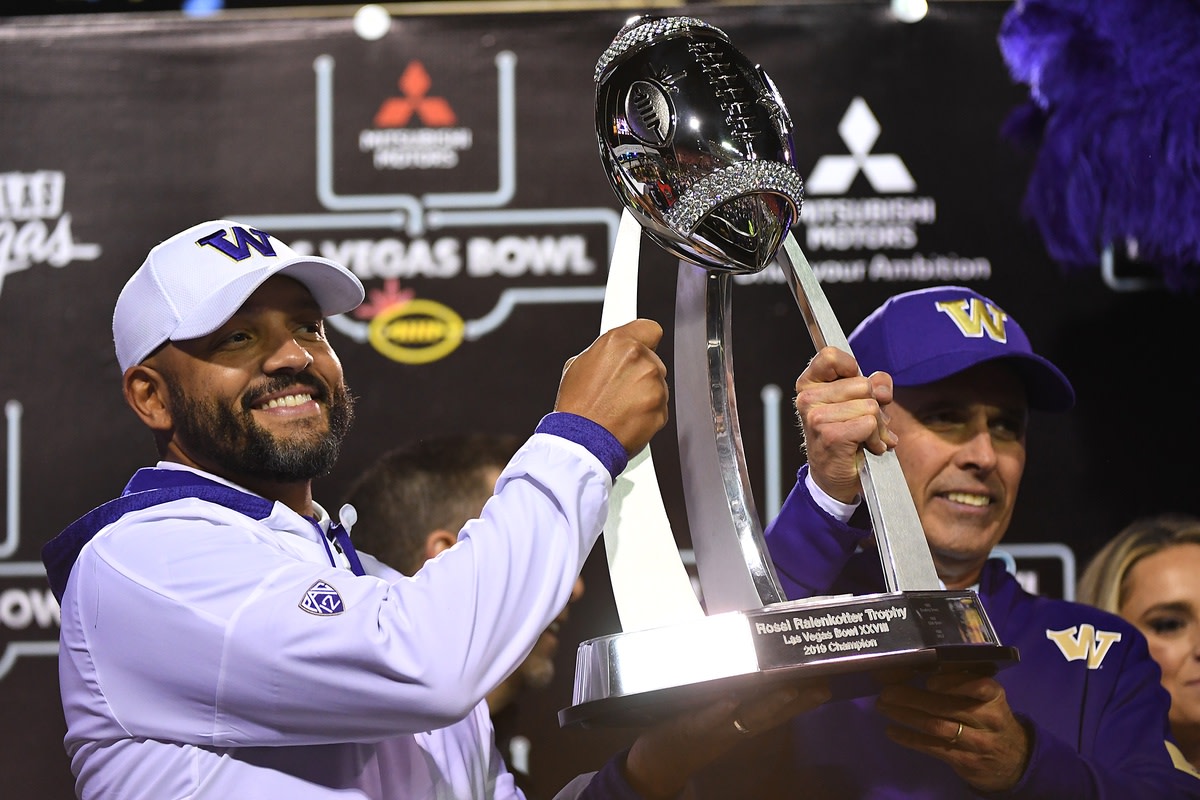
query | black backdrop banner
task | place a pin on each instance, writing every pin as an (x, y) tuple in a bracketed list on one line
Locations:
[(452, 164)]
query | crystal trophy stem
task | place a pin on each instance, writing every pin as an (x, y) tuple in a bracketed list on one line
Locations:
[(731, 555)]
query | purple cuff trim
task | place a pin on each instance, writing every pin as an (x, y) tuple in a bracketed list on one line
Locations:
[(582, 431)]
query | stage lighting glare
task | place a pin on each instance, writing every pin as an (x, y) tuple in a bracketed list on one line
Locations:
[(910, 10), (372, 22), (202, 8)]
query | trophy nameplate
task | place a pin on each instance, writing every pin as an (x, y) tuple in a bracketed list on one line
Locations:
[(696, 142)]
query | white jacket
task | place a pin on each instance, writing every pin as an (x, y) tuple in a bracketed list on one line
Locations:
[(206, 654)]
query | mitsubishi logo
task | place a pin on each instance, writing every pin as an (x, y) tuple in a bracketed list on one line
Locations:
[(859, 130), (414, 84)]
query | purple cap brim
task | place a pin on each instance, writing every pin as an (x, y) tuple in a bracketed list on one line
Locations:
[(930, 334), (1046, 387)]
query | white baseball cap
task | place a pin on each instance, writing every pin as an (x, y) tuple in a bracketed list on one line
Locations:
[(192, 283)]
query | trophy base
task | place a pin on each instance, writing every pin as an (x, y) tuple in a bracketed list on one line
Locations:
[(856, 643)]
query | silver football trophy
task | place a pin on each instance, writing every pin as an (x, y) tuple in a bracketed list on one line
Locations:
[(697, 143)]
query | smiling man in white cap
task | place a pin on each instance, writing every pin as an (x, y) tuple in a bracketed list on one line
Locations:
[(221, 638), (949, 380), (221, 389)]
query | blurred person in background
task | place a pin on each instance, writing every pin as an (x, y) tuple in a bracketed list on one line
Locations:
[(1149, 573), (412, 501)]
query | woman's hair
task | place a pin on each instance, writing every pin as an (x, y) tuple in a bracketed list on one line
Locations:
[(1103, 583)]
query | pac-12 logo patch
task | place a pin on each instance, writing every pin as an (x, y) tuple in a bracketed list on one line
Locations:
[(323, 600)]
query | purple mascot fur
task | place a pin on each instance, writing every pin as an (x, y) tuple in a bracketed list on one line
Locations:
[(1114, 112)]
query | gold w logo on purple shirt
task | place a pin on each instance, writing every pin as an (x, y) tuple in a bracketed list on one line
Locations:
[(1084, 643)]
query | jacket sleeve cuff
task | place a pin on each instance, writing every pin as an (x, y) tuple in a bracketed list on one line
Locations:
[(1050, 771), (808, 545), (590, 435)]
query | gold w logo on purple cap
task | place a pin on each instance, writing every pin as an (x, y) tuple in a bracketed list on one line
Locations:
[(974, 318)]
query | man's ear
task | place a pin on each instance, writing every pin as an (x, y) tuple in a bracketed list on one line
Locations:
[(146, 393), (437, 541)]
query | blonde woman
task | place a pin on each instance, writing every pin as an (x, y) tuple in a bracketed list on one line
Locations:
[(1150, 575)]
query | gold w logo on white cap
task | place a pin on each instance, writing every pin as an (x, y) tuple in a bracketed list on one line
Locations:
[(1084, 643), (974, 318)]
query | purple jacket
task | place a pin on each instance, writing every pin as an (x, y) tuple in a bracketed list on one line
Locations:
[(1094, 703)]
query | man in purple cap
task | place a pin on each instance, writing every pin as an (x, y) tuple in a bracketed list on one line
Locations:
[(949, 381)]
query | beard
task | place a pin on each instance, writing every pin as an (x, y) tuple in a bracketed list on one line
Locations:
[(235, 443)]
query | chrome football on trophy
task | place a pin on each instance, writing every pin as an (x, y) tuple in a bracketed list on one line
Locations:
[(697, 143)]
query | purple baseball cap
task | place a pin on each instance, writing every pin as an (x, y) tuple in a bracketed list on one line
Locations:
[(925, 335)]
